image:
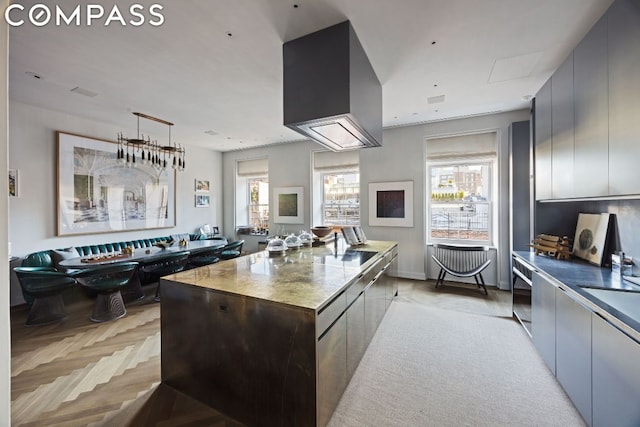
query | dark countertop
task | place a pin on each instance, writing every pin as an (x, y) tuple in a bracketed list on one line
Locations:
[(577, 274)]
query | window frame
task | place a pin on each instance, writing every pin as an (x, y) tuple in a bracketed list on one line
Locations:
[(250, 204), (472, 160), (324, 203)]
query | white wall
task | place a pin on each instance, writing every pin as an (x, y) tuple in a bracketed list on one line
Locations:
[(289, 166), (401, 158), (32, 150), (5, 332)]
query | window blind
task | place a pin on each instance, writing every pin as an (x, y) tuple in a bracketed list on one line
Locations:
[(254, 167), (461, 146), (330, 160)]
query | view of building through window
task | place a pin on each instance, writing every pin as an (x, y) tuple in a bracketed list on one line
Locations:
[(341, 202), (460, 207), (259, 203)]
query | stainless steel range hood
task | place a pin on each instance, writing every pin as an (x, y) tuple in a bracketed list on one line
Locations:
[(331, 93)]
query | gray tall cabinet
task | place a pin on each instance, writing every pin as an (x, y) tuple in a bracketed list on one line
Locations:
[(542, 142), (562, 125), (587, 141), (591, 113), (624, 96)]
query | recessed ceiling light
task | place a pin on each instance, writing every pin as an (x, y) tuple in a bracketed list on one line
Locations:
[(82, 91), (34, 75)]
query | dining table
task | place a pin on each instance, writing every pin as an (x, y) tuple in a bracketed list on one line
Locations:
[(133, 290), (142, 255)]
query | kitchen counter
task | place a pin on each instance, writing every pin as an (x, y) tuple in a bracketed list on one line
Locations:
[(305, 278), (275, 340), (577, 275)]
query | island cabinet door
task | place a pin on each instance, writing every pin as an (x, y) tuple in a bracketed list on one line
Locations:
[(356, 338), (332, 369), (375, 306)]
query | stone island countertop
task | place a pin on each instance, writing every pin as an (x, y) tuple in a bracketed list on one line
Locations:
[(307, 278)]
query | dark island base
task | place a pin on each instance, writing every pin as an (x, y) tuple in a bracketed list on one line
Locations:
[(253, 361)]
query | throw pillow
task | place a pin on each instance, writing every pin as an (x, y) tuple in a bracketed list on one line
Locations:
[(62, 254)]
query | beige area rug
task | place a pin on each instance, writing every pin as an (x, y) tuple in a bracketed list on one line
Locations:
[(428, 366), (456, 296)]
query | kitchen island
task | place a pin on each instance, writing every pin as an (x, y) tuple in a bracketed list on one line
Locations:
[(274, 340)]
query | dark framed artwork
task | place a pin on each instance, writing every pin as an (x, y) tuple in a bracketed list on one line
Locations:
[(391, 204), (98, 194)]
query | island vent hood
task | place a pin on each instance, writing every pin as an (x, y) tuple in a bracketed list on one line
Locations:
[(331, 93)]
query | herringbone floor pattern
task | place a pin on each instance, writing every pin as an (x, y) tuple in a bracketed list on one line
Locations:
[(80, 373)]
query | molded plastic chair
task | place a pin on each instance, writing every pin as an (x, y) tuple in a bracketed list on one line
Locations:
[(171, 263), (106, 281), (461, 261), (231, 250), (43, 286)]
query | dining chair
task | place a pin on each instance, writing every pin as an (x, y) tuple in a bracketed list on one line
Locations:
[(161, 266), (42, 287), (231, 250), (106, 281), (204, 258)]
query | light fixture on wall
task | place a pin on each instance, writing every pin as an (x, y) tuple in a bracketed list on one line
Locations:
[(134, 151)]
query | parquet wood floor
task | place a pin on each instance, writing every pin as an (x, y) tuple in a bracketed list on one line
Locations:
[(80, 373)]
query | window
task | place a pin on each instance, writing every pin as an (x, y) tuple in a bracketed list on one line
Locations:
[(336, 188), (461, 172), (460, 202), (252, 194), (341, 198), (259, 203)]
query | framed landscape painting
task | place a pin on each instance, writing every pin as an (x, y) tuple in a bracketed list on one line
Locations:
[(202, 185), (391, 204), (98, 194)]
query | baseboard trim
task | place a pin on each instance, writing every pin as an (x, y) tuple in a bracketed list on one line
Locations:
[(412, 275)]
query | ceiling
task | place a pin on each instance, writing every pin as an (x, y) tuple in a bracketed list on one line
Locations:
[(216, 66)]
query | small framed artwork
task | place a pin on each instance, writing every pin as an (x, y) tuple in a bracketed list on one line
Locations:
[(202, 185), (202, 201), (13, 183), (391, 204), (289, 205)]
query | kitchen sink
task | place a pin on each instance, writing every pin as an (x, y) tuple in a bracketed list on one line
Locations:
[(625, 302)]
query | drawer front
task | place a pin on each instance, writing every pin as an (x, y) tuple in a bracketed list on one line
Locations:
[(360, 283), (330, 313)]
